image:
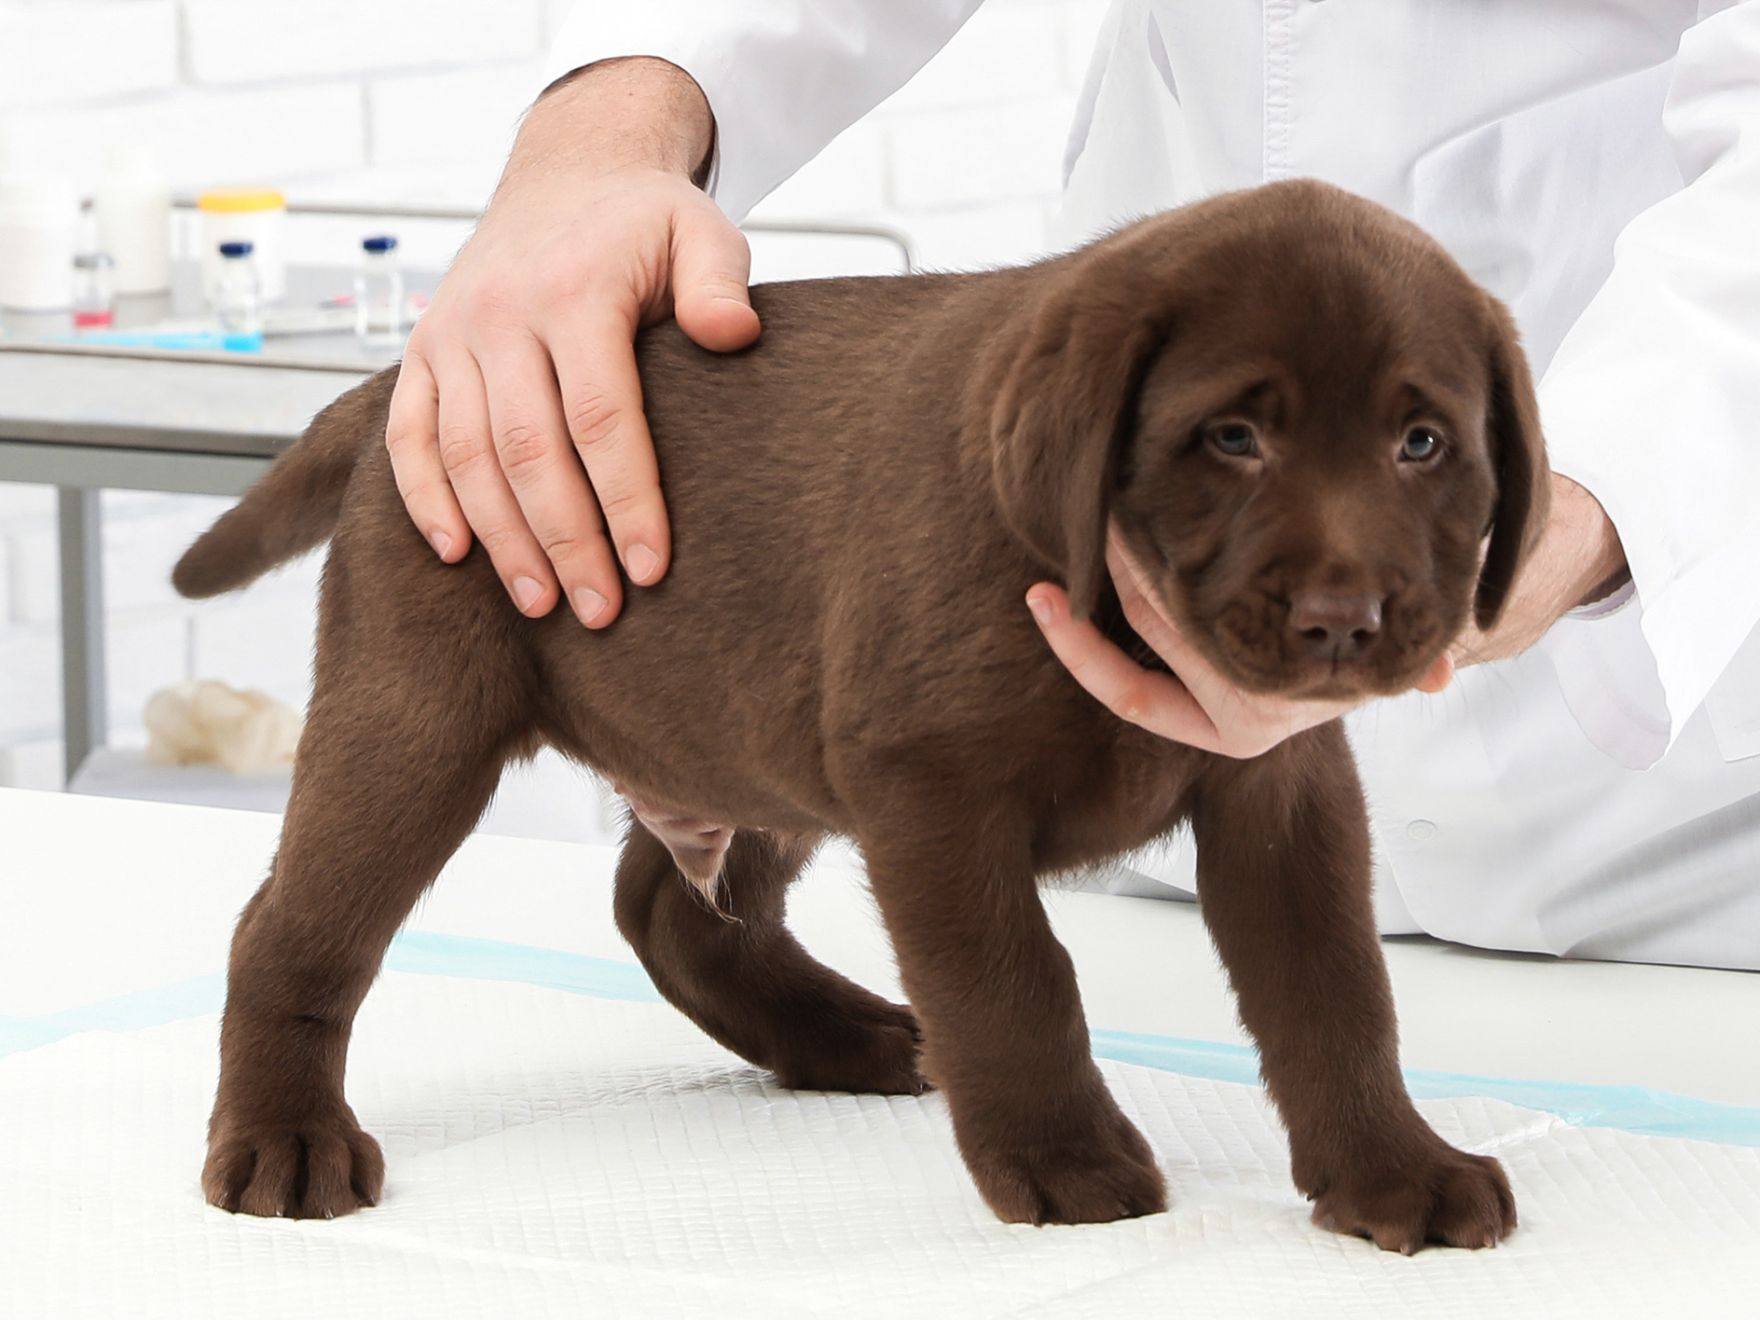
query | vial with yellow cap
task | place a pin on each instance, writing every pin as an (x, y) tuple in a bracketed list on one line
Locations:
[(257, 216)]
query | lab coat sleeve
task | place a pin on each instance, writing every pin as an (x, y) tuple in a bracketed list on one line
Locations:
[(1653, 404), (782, 77)]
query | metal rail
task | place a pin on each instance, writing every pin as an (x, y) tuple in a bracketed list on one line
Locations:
[(907, 249)]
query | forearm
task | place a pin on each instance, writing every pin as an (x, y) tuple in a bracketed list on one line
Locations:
[(615, 114), (1648, 403), (781, 77)]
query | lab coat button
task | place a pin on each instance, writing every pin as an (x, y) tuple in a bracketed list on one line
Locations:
[(1421, 831)]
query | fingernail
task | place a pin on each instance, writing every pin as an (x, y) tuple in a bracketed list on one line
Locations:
[(441, 543), (641, 562), (588, 603), (526, 592), (1041, 609)]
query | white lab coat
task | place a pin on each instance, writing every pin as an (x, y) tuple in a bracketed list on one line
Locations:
[(1596, 163)]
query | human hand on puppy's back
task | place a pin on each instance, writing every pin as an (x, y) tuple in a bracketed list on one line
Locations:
[(517, 417)]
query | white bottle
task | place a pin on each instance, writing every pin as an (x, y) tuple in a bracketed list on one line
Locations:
[(133, 209), (378, 292), (39, 234)]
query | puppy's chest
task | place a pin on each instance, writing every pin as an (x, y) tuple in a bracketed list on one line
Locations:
[(1128, 787), (1131, 790)]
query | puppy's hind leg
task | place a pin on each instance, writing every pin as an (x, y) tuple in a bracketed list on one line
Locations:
[(735, 970), (398, 760)]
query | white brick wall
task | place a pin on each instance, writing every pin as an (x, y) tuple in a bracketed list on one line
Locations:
[(276, 132), (413, 99), (50, 52), (253, 41), (433, 118)]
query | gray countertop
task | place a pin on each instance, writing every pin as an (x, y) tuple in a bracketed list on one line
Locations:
[(162, 402), (56, 391)]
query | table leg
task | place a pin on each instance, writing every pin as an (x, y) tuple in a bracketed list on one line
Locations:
[(83, 694)]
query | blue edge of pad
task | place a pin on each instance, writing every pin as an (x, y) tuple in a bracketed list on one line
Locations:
[(1629, 1108)]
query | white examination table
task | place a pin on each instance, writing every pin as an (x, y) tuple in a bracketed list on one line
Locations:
[(560, 1143)]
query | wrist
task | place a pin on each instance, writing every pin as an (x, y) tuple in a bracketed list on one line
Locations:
[(636, 112), (1599, 559), (1579, 560)]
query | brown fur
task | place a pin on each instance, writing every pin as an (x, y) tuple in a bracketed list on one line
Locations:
[(859, 504)]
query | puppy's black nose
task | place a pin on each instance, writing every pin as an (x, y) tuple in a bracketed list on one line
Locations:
[(1329, 624)]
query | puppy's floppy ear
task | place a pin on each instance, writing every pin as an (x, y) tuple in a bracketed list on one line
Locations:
[(1062, 408), (1518, 453)]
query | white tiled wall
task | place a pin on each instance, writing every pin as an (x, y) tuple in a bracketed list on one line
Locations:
[(417, 99)]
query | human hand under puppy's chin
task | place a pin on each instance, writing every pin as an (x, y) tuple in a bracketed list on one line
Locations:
[(1579, 559), (1196, 704)]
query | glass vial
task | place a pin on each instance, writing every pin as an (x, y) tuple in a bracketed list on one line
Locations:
[(94, 292), (238, 302), (378, 292)]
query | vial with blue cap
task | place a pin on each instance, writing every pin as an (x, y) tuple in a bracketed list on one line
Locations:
[(378, 292), (238, 297)]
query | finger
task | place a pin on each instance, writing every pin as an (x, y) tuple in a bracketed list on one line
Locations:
[(546, 477), (1204, 681), (711, 268), (1438, 676), (468, 452), (602, 405), (1156, 702), (1147, 619), (412, 436), (1141, 608)]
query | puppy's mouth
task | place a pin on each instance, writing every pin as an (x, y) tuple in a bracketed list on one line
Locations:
[(1242, 644), (1255, 656)]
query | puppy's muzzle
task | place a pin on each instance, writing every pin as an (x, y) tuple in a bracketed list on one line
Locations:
[(1332, 627)]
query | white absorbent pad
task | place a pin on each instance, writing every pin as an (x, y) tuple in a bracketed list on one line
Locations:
[(559, 1153)]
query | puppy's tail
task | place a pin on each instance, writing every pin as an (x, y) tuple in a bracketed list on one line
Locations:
[(294, 506)]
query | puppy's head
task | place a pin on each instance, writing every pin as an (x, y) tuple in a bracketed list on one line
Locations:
[(1314, 431)]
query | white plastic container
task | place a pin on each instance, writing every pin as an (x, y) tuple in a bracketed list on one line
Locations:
[(378, 292), (39, 234), (257, 216), (133, 210)]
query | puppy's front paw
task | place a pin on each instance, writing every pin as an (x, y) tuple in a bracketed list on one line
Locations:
[(315, 1168), (1432, 1193), (1093, 1171)]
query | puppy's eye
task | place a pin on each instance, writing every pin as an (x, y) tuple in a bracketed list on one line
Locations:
[(1236, 439), (1422, 444)]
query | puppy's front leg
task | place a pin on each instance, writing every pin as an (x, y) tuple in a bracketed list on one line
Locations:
[(1002, 1024), (1284, 885)]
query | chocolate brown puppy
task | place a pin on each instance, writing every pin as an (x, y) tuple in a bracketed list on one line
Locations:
[(1317, 434)]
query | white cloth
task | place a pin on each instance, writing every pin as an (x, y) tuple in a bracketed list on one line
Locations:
[(556, 1155), (561, 1144), (1597, 164)]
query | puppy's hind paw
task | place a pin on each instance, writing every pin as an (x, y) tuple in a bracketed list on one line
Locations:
[(868, 1047)]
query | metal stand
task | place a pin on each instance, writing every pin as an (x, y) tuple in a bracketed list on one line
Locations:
[(83, 693)]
